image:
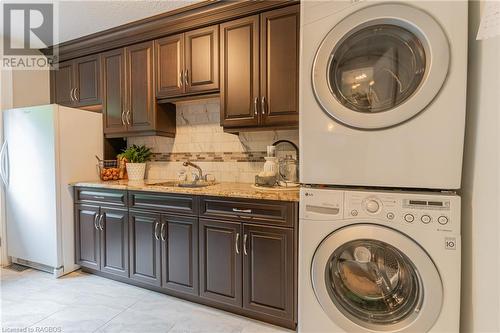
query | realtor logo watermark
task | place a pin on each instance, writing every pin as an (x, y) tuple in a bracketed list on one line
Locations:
[(28, 28)]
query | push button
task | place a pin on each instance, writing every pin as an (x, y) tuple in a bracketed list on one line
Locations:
[(390, 216), (426, 219), (442, 220), (409, 218)]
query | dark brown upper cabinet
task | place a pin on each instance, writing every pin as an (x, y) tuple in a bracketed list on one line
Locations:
[(77, 82), (113, 99), (139, 60), (240, 72), (279, 67), (129, 105), (188, 63), (259, 75)]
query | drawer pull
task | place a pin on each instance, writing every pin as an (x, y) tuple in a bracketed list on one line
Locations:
[(98, 197), (249, 211)]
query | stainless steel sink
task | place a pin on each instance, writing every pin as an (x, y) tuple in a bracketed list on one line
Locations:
[(174, 183)]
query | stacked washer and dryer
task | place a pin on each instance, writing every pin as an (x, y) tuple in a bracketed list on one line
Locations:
[(382, 93)]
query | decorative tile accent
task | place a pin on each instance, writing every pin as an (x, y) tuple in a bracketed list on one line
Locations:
[(254, 156)]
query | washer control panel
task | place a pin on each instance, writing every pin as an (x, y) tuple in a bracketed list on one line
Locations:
[(438, 211)]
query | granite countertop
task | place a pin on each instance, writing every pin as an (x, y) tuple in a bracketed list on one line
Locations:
[(234, 190)]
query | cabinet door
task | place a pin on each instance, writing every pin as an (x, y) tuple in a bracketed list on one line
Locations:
[(240, 72), (202, 60), (220, 261), (87, 80), (140, 87), (279, 77), (180, 253), (113, 99), (63, 84), (268, 270), (87, 236), (169, 66), (145, 248), (114, 241)]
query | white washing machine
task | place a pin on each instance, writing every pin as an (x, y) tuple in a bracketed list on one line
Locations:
[(383, 92), (378, 261)]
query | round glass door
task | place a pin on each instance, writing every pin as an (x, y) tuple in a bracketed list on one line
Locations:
[(377, 68), (385, 70), (373, 283)]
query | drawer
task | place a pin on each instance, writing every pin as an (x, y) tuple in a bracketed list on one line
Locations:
[(281, 213), (102, 196), (173, 203)]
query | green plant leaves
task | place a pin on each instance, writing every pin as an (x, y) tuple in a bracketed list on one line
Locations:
[(136, 154)]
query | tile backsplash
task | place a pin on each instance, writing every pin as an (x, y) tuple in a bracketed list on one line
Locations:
[(201, 139)]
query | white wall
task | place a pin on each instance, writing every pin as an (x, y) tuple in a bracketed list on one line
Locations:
[(481, 212), (30, 87)]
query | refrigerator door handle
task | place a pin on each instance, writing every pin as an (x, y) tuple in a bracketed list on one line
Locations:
[(4, 167)]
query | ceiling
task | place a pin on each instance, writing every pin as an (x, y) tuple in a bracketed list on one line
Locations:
[(81, 18)]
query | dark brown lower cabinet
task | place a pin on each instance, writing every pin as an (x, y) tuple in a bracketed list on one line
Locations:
[(145, 248), (114, 241), (268, 270), (87, 244), (102, 239), (179, 236), (235, 254), (220, 261)]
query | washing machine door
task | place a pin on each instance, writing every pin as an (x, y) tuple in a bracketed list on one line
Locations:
[(380, 66), (368, 277)]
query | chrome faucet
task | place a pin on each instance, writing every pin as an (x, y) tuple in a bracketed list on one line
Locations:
[(200, 172)]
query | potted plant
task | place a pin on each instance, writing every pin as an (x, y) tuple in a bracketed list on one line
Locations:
[(136, 158)]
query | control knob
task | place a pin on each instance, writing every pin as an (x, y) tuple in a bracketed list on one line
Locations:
[(372, 206)]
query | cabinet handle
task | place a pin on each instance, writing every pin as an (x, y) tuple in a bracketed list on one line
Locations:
[(98, 197), (75, 94), (186, 77), (123, 120), (71, 95), (236, 243), (255, 106), (95, 221), (249, 211), (128, 117), (181, 78), (263, 104), (156, 231), (162, 235), (245, 244), (101, 224)]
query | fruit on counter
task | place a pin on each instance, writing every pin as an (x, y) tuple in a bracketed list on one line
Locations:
[(110, 173)]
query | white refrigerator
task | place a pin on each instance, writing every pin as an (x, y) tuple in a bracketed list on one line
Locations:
[(46, 148)]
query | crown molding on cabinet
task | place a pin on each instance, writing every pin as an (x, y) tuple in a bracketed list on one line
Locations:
[(183, 19)]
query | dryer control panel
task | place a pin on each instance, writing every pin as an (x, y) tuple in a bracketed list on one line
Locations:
[(433, 211)]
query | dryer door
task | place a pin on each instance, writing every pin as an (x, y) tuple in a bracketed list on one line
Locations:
[(369, 277), (380, 66)]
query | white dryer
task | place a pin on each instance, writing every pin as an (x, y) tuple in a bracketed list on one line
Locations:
[(378, 262), (383, 92)]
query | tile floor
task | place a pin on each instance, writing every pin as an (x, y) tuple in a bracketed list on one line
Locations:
[(81, 302)]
